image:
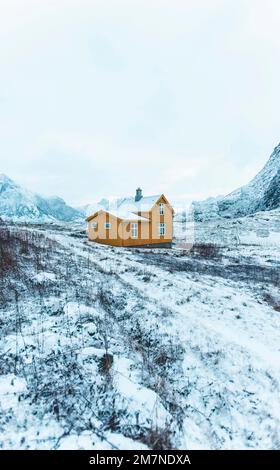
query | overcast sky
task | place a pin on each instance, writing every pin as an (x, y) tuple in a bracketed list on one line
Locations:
[(100, 96)]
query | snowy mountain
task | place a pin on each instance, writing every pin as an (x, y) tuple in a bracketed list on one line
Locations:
[(18, 204), (89, 209), (262, 193)]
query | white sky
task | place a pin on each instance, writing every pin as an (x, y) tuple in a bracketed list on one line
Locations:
[(100, 96)]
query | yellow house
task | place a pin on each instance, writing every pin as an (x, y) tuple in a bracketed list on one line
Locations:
[(138, 221)]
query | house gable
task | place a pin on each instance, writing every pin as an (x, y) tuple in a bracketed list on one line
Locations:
[(160, 199), (163, 199)]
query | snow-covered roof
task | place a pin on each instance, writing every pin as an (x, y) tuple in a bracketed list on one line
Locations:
[(145, 204), (127, 208), (123, 213)]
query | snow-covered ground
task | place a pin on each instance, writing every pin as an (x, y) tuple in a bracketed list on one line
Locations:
[(261, 229), (105, 347)]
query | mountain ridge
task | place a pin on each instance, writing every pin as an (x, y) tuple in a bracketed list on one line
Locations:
[(20, 204), (260, 194)]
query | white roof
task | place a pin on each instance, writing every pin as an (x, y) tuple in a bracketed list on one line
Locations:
[(145, 203), (123, 213), (125, 208)]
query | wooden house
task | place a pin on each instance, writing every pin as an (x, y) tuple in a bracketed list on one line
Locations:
[(138, 221)]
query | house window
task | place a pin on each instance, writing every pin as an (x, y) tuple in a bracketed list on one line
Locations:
[(134, 230), (107, 225), (94, 225), (161, 229), (161, 208)]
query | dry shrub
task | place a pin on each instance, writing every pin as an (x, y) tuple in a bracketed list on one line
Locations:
[(157, 438), (8, 253), (272, 301), (206, 250), (105, 363)]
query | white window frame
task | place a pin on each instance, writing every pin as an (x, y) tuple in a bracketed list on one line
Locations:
[(134, 230), (107, 225), (161, 208), (94, 225), (161, 229)]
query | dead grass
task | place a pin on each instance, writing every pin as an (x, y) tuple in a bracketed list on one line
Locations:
[(273, 301), (157, 438), (206, 250)]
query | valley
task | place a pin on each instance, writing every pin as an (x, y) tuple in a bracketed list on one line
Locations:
[(127, 348)]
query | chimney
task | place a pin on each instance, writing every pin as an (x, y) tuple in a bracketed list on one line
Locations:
[(138, 195)]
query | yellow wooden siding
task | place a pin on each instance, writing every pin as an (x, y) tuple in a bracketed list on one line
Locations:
[(120, 231)]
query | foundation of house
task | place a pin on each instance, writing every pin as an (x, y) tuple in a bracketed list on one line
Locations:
[(152, 245)]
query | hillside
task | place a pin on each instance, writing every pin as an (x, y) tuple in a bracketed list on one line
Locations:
[(261, 194), (106, 348), (19, 204)]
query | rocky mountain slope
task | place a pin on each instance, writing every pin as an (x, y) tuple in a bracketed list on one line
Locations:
[(18, 204), (261, 194)]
